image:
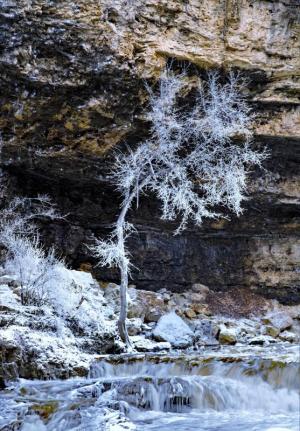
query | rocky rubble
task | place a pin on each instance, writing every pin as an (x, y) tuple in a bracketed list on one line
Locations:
[(40, 342), (189, 320)]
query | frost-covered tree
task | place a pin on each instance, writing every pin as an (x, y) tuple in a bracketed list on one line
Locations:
[(196, 162)]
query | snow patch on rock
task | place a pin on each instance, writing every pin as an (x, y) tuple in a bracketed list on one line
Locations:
[(60, 338), (173, 329)]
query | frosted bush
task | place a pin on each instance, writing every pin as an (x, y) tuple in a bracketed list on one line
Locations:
[(18, 216), (45, 280), (35, 267)]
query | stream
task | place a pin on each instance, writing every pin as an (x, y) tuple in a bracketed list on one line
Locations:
[(225, 389)]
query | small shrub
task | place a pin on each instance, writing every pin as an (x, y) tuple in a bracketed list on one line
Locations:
[(34, 267)]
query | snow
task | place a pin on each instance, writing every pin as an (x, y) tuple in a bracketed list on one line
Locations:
[(77, 296), (33, 423), (71, 295), (64, 335), (8, 299), (52, 354), (116, 421), (143, 344), (173, 329)]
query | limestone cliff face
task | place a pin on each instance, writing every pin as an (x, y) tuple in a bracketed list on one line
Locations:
[(72, 88)]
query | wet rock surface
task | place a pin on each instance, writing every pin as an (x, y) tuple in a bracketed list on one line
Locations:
[(137, 391), (72, 88)]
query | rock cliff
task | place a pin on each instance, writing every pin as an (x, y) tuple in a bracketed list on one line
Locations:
[(73, 87)]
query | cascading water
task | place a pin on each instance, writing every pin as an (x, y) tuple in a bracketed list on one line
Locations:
[(226, 391)]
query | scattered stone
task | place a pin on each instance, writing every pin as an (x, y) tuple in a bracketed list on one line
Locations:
[(179, 300), (227, 335), (293, 311), (153, 315), (201, 309), (9, 300), (142, 344), (278, 319), (112, 293), (200, 288), (271, 330), (205, 333), (134, 326), (190, 313), (289, 336), (196, 297), (149, 306), (136, 310), (147, 326), (173, 329), (86, 267), (62, 344), (260, 340), (179, 312)]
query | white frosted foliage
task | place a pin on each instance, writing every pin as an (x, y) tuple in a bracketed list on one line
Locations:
[(196, 162)]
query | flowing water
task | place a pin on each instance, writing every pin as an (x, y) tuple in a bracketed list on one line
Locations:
[(231, 389)]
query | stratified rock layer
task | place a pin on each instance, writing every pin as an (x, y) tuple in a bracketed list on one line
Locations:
[(72, 88)]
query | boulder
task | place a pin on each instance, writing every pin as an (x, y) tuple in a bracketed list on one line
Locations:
[(9, 280), (173, 329), (112, 293), (178, 300), (149, 306), (278, 319), (9, 300), (271, 330), (205, 333), (201, 309), (227, 335), (293, 311)]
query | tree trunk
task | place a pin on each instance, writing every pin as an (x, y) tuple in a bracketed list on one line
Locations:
[(124, 272), (123, 305), (120, 227)]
